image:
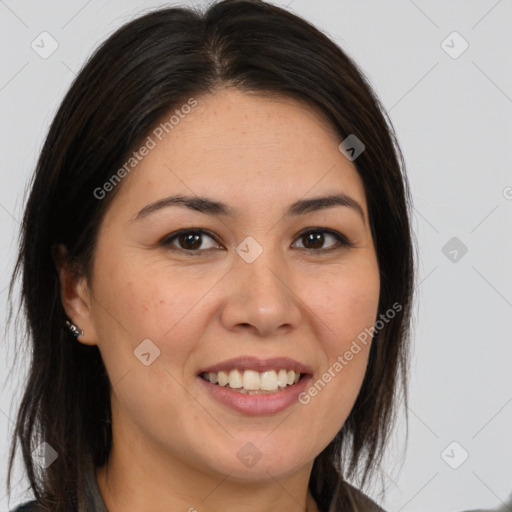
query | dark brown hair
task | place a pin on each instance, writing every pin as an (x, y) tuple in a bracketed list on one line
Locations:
[(141, 72)]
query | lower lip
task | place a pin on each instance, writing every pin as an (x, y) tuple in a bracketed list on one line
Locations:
[(256, 405)]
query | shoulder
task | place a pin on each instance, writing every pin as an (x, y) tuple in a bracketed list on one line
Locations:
[(29, 506), (363, 501)]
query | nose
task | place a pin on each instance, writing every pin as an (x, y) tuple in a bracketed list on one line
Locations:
[(260, 297)]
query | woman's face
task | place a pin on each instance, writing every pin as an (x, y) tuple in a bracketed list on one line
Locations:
[(258, 282)]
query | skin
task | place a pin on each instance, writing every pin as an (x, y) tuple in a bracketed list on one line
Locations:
[(174, 447)]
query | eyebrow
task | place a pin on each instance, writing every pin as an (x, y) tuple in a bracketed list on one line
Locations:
[(216, 208)]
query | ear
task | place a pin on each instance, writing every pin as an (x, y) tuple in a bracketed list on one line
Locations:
[(75, 295)]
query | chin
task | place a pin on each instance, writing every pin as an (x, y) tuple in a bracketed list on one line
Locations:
[(251, 464)]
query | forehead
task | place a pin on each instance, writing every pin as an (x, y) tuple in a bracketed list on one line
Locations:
[(243, 149)]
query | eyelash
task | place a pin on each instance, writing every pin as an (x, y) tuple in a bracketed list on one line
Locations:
[(342, 240)]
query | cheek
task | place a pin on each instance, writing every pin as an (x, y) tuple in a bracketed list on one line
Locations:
[(137, 302), (149, 301), (345, 303), (344, 308)]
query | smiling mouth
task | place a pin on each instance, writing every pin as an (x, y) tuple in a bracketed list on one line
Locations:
[(252, 382)]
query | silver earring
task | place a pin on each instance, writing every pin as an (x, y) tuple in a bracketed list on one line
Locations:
[(74, 329)]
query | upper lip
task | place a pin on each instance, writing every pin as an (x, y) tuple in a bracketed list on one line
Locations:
[(258, 364)]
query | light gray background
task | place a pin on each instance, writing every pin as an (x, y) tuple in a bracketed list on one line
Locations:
[(452, 116)]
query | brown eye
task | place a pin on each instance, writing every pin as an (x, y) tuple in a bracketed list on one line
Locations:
[(193, 240), (314, 240), (188, 240)]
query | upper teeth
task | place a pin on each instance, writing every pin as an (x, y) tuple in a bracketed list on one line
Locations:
[(252, 380)]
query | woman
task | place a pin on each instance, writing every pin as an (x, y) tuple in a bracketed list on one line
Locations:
[(217, 273)]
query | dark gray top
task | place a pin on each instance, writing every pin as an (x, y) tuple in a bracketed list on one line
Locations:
[(94, 500)]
